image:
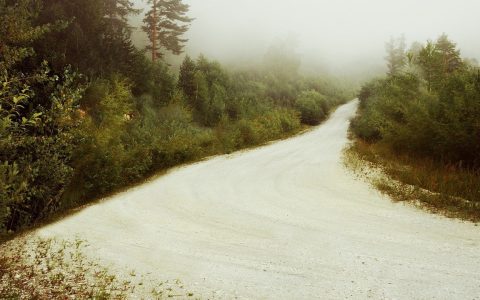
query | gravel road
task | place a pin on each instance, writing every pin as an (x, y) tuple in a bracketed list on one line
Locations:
[(283, 221)]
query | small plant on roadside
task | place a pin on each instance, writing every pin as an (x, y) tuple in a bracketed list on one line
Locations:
[(50, 269)]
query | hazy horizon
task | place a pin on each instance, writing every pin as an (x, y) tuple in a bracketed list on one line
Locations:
[(341, 36)]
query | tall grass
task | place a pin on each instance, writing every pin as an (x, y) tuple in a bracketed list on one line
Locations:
[(448, 189)]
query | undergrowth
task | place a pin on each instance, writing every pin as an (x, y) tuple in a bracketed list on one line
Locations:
[(50, 269), (449, 190)]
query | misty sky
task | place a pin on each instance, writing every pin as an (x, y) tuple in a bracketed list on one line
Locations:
[(337, 33)]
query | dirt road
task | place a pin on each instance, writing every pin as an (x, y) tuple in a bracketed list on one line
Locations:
[(284, 221)]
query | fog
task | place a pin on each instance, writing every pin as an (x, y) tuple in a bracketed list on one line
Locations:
[(339, 36)]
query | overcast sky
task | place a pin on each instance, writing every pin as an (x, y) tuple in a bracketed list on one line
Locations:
[(339, 33)]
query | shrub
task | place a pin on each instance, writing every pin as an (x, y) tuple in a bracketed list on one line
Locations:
[(428, 121), (442, 126), (37, 139), (100, 159), (271, 125), (313, 107), (61, 145)]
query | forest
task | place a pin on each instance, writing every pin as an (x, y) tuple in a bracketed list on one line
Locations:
[(421, 121), (223, 149), (85, 113)]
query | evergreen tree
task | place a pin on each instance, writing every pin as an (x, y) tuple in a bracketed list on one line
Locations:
[(428, 61), (116, 16), (186, 80), (450, 56), (163, 28), (438, 61), (396, 57), (96, 40), (117, 35)]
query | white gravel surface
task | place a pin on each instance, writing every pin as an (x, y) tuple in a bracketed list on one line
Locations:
[(284, 221)]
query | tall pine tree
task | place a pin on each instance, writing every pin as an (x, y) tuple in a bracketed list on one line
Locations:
[(116, 16), (96, 39), (165, 24), (117, 33), (450, 56), (396, 56)]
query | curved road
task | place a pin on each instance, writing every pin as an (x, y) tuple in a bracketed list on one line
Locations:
[(284, 221)]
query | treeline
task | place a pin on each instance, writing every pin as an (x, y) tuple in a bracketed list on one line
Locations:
[(84, 113), (427, 110)]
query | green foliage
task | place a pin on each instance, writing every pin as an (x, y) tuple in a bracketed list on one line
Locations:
[(37, 141), (12, 186), (38, 117), (209, 100), (165, 23), (431, 115), (94, 35), (186, 80), (313, 107), (438, 61), (119, 135), (443, 126), (204, 85), (161, 83), (17, 32), (101, 155), (272, 125), (67, 138)]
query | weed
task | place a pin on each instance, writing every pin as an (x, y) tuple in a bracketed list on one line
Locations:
[(448, 190), (50, 269)]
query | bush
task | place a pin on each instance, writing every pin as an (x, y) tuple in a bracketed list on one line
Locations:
[(36, 146), (313, 107), (272, 125), (423, 129), (442, 125), (180, 140), (62, 145), (100, 159)]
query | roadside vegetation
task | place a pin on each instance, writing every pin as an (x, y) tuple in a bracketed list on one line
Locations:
[(50, 269), (421, 124), (83, 113)]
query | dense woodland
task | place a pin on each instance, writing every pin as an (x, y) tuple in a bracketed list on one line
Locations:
[(83, 112), (426, 114)]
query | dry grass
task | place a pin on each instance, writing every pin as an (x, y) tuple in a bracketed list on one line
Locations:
[(446, 189), (50, 269)]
